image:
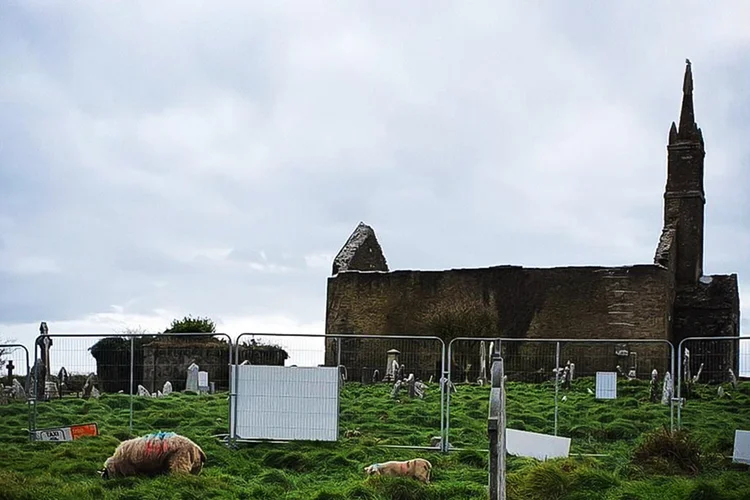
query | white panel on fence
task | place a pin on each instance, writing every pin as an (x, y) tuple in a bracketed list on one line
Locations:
[(287, 403), (535, 445), (741, 447), (606, 385)]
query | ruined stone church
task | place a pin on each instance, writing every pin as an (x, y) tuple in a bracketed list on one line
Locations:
[(669, 299)]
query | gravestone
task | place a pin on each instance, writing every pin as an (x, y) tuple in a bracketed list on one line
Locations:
[(142, 391), (732, 379), (401, 372), (666, 392), (482, 363), (375, 376), (10, 368), (191, 384), (391, 365), (496, 429), (89, 385), (18, 391), (95, 393), (654, 386), (202, 382), (167, 389), (50, 390), (37, 379)]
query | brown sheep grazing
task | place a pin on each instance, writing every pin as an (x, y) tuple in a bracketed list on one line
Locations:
[(159, 453), (419, 469)]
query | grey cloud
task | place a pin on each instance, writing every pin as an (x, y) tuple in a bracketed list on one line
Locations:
[(466, 136)]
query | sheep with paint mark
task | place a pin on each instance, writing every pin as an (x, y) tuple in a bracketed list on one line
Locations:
[(152, 454)]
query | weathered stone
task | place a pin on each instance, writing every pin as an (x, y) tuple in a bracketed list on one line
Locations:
[(167, 389), (142, 391), (17, 390), (191, 384), (667, 390), (361, 252)]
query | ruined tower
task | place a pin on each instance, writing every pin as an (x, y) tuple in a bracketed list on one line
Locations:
[(684, 198)]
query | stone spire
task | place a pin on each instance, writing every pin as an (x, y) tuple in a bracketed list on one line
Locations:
[(688, 130)]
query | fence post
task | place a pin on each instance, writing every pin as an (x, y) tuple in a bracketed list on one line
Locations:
[(132, 375), (557, 379), (496, 428), (444, 400)]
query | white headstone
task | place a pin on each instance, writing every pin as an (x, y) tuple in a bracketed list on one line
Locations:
[(167, 389), (733, 379), (606, 385), (95, 393), (572, 371), (203, 381), (142, 391), (192, 378), (666, 393)]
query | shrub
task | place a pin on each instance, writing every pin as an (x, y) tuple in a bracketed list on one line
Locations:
[(669, 451)]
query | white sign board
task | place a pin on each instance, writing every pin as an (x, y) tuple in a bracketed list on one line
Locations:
[(66, 433), (741, 447), (286, 403), (535, 445), (606, 385)]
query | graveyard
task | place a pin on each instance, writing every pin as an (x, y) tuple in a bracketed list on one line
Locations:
[(615, 431)]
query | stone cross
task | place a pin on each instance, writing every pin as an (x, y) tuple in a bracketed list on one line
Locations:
[(496, 428), (10, 368), (45, 344)]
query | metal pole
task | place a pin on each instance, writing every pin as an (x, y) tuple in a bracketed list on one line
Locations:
[(338, 351), (132, 376), (679, 384), (557, 379)]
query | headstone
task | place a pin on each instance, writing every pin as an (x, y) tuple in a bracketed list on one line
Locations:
[(410, 383), (654, 386), (375, 375), (18, 391), (37, 378), (572, 371), (631, 374), (720, 391), (89, 385), (203, 382), (466, 373), (566, 376), (496, 429), (167, 389), (44, 342), (686, 364), (364, 378), (191, 385), (95, 393), (419, 389), (482, 363), (666, 393), (396, 388), (391, 365), (698, 375), (50, 390), (10, 368), (142, 391), (212, 388), (733, 379), (401, 372)]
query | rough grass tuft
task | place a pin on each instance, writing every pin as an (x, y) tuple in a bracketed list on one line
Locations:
[(668, 451)]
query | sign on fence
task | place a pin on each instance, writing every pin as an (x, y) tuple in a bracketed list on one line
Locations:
[(286, 403), (606, 385), (66, 433), (741, 447)]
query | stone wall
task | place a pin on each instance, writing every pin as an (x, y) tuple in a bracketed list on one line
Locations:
[(168, 361), (509, 301), (711, 308)]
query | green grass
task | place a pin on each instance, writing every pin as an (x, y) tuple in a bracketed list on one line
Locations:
[(335, 470)]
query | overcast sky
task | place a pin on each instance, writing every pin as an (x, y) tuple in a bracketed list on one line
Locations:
[(209, 158)]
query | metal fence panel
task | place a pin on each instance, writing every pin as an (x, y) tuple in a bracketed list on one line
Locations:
[(548, 379), (714, 371), (127, 371), (15, 383), (370, 407)]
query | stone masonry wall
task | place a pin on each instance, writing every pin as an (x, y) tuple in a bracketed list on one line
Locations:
[(509, 301)]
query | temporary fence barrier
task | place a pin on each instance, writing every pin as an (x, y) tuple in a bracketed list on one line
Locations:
[(549, 365), (15, 378), (370, 367), (89, 365), (712, 369)]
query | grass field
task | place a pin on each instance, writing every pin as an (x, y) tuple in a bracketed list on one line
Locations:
[(334, 470)]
